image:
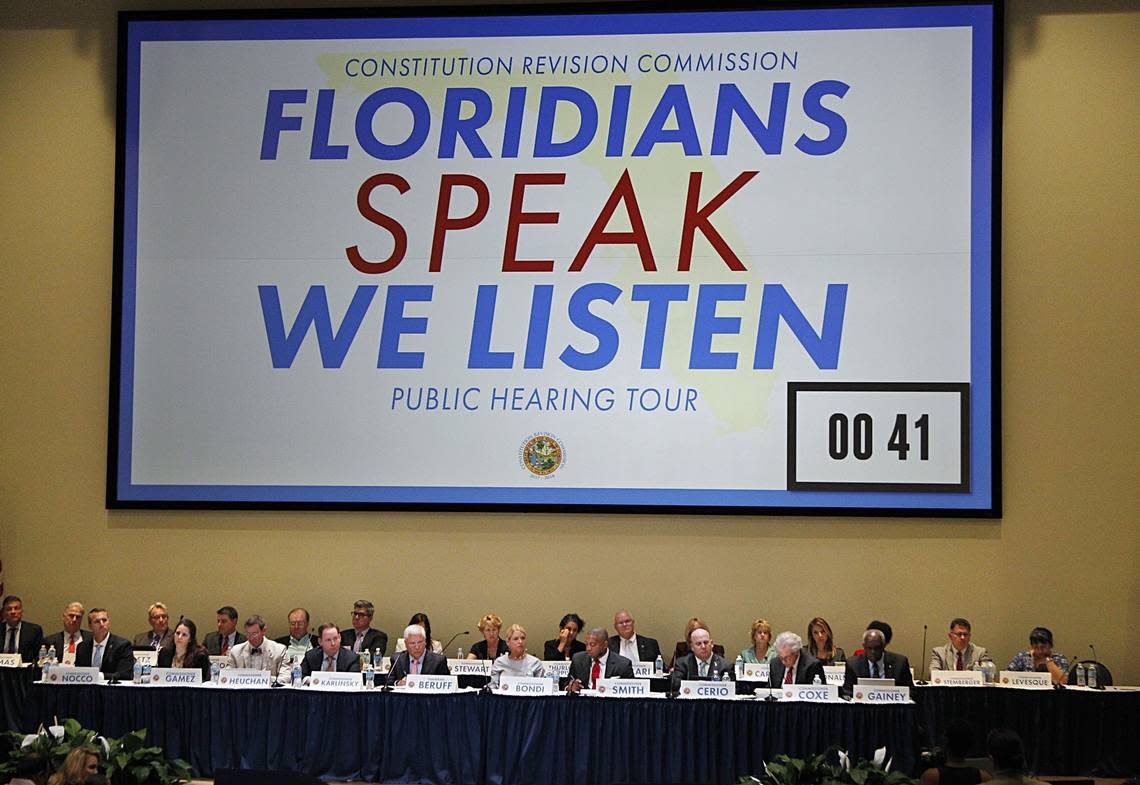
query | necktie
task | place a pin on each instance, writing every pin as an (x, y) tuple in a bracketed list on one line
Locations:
[(595, 674), (71, 645), (702, 668), (415, 667), (10, 647), (789, 673), (874, 670), (961, 665), (328, 664), (225, 645), (255, 651), (97, 657)]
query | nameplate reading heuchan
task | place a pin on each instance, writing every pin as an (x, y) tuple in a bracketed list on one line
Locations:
[(754, 671), (10, 661), (706, 689), (957, 678), (430, 683), (1032, 680), (881, 695), (623, 688), (469, 667), (341, 681), (66, 674), (243, 678), (834, 674), (816, 693), (525, 685), (559, 668), (176, 677)]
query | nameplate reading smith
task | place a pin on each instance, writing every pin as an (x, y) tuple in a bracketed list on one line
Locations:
[(623, 688)]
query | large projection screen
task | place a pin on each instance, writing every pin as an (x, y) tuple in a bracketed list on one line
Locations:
[(703, 261)]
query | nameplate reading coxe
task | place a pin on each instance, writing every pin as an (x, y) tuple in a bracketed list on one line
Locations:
[(706, 689), (941, 678), (835, 674), (424, 682), (1033, 680), (814, 693), (10, 661), (67, 674), (525, 685), (754, 671), (241, 678), (146, 657), (643, 670), (622, 688), (881, 695), (469, 667), (175, 677), (559, 668), (340, 681)]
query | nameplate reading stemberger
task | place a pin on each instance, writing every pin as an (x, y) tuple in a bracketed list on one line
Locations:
[(66, 674), (940, 678), (1032, 680), (835, 674), (881, 695), (815, 693), (469, 667), (753, 671), (423, 682), (10, 661), (559, 668), (622, 688), (244, 678), (706, 689), (525, 685), (176, 677)]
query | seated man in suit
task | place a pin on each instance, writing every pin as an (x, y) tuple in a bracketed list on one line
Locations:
[(218, 644), (299, 640), (66, 640), (702, 662), (257, 651), (20, 637), (627, 643), (793, 664), (876, 663), (330, 656), (362, 636), (415, 658), (597, 662), (112, 655), (959, 654), (159, 633)]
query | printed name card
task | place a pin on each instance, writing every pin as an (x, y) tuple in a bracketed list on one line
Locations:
[(176, 677), (469, 667), (525, 685), (559, 668), (424, 682), (815, 693), (248, 677), (834, 674), (957, 678), (706, 689), (147, 657), (881, 695), (10, 661), (385, 664), (643, 670), (754, 671), (67, 674), (1032, 680), (341, 681), (622, 688), (215, 659)]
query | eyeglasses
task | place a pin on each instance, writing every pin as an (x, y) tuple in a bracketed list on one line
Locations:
[(361, 613)]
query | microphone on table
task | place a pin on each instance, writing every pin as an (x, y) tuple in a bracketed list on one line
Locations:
[(922, 660), (447, 645)]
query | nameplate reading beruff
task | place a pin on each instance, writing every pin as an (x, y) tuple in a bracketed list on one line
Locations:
[(66, 674), (706, 689), (469, 667), (244, 678), (815, 693), (940, 678), (622, 688), (1032, 680), (881, 695), (176, 677), (525, 685), (424, 682), (559, 668), (834, 674)]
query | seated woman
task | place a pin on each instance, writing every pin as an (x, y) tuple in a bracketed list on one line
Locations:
[(820, 643), (79, 764), (516, 662), (682, 647), (761, 649), (1041, 657), (422, 620), (492, 646), (566, 645), (957, 738), (184, 651)]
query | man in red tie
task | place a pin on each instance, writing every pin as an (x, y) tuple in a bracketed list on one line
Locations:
[(793, 664), (72, 634), (960, 653), (218, 644), (597, 662)]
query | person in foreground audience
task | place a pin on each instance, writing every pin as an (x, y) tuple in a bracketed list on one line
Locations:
[(701, 662), (761, 649), (597, 662), (68, 639), (299, 640), (257, 651), (566, 645), (793, 664), (492, 646), (1041, 657), (361, 635), (219, 643), (416, 659), (109, 653), (79, 764), (20, 637), (31, 769), (627, 643), (957, 740), (876, 663), (159, 633), (330, 656), (422, 620), (184, 651), (1005, 750), (682, 647), (959, 654), (516, 662), (821, 644)]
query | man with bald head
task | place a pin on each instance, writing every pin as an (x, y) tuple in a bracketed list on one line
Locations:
[(627, 643), (701, 662), (597, 662), (68, 639), (876, 663)]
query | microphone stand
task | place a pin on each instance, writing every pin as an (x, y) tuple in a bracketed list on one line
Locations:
[(922, 661), (451, 640)]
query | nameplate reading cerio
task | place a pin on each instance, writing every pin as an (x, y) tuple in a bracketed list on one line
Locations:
[(424, 682), (834, 674), (525, 685), (559, 668), (706, 689), (146, 657), (643, 670), (622, 688), (67, 674), (243, 678), (336, 681), (176, 677), (469, 667), (10, 661), (753, 671), (881, 695), (1030, 680), (813, 693), (941, 678)]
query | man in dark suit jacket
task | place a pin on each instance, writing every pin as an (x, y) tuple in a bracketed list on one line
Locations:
[(791, 656), (20, 637), (629, 644), (70, 636), (876, 663), (343, 659), (227, 633), (701, 662), (362, 636), (416, 657), (610, 664), (113, 655)]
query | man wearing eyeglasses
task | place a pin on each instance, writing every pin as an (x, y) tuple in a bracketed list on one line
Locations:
[(960, 653), (67, 640), (361, 636)]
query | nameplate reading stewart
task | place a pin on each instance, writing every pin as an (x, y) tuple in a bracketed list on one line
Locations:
[(957, 678), (623, 688), (244, 678), (10, 661), (343, 681), (428, 683), (834, 674), (815, 693), (559, 668), (176, 677), (1033, 680), (469, 667), (881, 695), (525, 685), (706, 689), (66, 674), (753, 671)]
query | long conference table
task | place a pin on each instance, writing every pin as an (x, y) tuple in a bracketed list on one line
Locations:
[(476, 737)]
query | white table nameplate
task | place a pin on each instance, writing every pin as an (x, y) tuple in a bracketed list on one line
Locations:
[(525, 685), (67, 674), (643, 670), (881, 695), (957, 678), (754, 671), (425, 682), (242, 678), (176, 677), (10, 661), (222, 661), (622, 688), (385, 664), (1034, 680), (146, 657), (469, 667), (834, 674), (559, 668), (706, 689), (815, 693)]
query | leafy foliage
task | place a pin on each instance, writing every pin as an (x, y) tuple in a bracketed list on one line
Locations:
[(820, 770)]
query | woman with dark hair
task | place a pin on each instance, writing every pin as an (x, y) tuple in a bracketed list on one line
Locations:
[(184, 651), (422, 620), (566, 645), (1005, 750), (1041, 657), (957, 740), (821, 645)]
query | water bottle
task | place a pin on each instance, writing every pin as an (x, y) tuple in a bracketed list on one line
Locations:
[(51, 656), (740, 666), (459, 653), (297, 678), (815, 680), (42, 656), (215, 672), (146, 672), (1092, 677), (137, 673), (1081, 676), (369, 676), (46, 670), (659, 666)]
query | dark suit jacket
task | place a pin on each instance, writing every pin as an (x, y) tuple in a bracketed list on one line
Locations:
[(31, 638), (550, 650), (617, 667), (647, 648), (686, 668), (373, 639), (896, 666), (213, 642), (346, 661), (142, 640), (433, 665), (682, 648), (57, 641), (807, 668), (118, 657), (314, 642), (201, 662)]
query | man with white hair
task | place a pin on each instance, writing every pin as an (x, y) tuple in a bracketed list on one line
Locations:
[(793, 664), (416, 659)]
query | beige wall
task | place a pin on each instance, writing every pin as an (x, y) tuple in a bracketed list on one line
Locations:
[(1064, 555)]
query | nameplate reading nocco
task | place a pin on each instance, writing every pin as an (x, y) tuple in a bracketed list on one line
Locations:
[(886, 436)]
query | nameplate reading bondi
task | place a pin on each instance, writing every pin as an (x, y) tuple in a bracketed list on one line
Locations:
[(533, 686)]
